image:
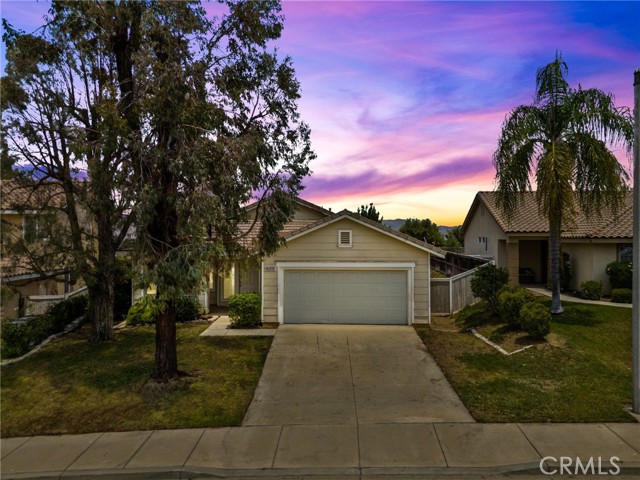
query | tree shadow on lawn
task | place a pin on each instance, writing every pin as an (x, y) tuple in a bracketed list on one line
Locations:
[(576, 314), (475, 316)]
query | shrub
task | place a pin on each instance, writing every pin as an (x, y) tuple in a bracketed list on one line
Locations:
[(510, 299), (244, 310), (143, 311), (535, 319), (19, 337), (65, 312), (622, 295), (486, 283), (187, 309), (620, 274), (591, 289)]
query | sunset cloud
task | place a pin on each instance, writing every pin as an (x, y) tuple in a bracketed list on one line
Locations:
[(406, 99)]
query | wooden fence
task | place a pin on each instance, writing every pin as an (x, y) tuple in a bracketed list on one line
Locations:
[(449, 295), (38, 304)]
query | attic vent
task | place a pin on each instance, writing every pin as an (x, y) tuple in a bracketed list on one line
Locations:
[(344, 238)]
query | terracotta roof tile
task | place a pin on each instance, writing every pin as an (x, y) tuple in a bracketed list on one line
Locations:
[(528, 219), (21, 195), (252, 234)]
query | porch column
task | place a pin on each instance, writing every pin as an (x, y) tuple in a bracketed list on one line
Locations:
[(513, 261)]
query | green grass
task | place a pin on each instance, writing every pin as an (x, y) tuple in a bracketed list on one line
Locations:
[(72, 386), (583, 374)]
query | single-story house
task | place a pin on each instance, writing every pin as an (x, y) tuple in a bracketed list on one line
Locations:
[(334, 268), (521, 244)]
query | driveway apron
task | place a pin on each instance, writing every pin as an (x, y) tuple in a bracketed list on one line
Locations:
[(344, 374)]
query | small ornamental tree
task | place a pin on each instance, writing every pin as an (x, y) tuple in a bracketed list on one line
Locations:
[(487, 282)]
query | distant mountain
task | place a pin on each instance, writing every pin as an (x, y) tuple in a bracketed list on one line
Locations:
[(398, 222), (395, 224)]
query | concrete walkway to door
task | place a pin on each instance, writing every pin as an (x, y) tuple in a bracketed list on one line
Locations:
[(339, 374)]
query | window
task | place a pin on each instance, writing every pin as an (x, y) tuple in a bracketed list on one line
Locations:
[(34, 228), (625, 252), (484, 240), (344, 238)]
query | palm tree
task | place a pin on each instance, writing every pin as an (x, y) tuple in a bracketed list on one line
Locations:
[(562, 142)]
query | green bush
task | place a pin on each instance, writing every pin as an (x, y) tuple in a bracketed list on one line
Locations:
[(591, 289), (244, 310), (19, 338), (187, 309), (487, 282), (622, 295), (65, 312), (143, 311), (535, 319), (510, 300), (620, 274)]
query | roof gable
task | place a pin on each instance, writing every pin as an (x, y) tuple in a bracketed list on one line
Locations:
[(346, 214)]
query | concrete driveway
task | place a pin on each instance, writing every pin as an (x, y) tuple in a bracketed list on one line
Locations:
[(339, 374)]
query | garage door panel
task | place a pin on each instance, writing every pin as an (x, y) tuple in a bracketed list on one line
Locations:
[(343, 296)]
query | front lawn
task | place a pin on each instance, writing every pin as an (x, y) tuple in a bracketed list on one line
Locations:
[(72, 386), (582, 374)]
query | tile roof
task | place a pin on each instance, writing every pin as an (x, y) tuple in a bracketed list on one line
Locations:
[(302, 202), (21, 195), (14, 268), (250, 235), (527, 218), (376, 225)]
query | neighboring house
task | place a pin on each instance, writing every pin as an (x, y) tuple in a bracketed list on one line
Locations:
[(334, 268), (23, 215), (521, 244)]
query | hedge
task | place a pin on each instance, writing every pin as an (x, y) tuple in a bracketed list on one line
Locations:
[(19, 338)]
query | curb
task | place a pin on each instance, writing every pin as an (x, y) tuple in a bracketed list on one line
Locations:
[(356, 472)]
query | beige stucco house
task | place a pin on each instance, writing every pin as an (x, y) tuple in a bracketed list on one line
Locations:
[(521, 243), (336, 268)]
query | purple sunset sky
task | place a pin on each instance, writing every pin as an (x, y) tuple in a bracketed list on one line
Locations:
[(405, 99)]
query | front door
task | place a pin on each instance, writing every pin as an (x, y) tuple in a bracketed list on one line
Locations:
[(227, 285), (249, 281)]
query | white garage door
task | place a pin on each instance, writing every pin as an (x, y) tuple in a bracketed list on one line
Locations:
[(345, 296)]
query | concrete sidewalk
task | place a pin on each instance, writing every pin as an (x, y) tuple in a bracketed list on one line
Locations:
[(569, 298), (349, 451)]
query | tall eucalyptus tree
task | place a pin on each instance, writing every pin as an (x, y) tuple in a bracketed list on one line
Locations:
[(179, 117)]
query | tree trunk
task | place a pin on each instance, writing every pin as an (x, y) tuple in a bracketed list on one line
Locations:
[(163, 231), (166, 363), (102, 299), (554, 254)]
